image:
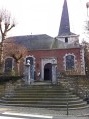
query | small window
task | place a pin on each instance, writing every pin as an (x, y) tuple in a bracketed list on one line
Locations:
[(66, 40)]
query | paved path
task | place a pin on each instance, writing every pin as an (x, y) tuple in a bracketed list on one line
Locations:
[(73, 114)]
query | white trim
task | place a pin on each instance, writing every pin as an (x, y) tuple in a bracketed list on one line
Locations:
[(44, 61), (27, 57)]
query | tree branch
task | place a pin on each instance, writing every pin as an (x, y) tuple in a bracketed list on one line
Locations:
[(17, 58), (13, 25), (1, 28)]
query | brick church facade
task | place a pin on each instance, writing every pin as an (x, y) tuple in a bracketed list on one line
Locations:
[(61, 55)]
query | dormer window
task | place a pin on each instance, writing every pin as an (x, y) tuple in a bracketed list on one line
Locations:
[(66, 39)]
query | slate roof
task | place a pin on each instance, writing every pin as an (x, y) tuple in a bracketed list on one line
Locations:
[(64, 28), (32, 42)]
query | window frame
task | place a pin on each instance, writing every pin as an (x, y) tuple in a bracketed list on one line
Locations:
[(69, 62)]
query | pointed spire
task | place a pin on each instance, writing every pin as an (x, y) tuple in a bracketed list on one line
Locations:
[(64, 24)]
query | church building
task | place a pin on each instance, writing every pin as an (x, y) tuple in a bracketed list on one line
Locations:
[(47, 56)]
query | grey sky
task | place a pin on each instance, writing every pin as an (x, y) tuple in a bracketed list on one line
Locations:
[(43, 16)]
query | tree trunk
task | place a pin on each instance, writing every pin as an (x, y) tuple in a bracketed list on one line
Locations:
[(1, 58), (18, 68), (1, 53)]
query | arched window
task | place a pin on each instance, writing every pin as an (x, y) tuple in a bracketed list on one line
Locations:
[(69, 62), (8, 64)]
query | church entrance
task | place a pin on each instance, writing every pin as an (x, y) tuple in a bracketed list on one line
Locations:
[(48, 71)]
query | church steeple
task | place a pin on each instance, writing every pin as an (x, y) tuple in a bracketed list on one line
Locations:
[(64, 24)]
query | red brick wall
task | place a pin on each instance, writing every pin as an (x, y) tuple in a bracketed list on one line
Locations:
[(58, 53)]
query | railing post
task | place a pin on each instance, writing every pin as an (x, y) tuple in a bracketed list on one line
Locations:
[(67, 109)]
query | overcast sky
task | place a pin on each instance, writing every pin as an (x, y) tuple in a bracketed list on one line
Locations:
[(43, 16)]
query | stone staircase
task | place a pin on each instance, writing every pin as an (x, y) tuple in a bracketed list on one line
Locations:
[(79, 86), (43, 95)]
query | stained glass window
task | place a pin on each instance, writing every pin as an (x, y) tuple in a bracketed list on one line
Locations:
[(69, 62), (8, 64)]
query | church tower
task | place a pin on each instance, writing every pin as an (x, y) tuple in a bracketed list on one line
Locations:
[(64, 24), (64, 34)]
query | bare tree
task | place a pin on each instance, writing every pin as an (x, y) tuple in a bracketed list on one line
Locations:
[(16, 51), (86, 56), (6, 24), (18, 54), (86, 43)]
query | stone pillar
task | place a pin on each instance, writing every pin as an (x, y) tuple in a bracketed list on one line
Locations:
[(31, 70), (54, 72), (28, 75)]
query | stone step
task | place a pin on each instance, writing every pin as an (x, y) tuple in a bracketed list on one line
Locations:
[(43, 93), (41, 87), (41, 90), (40, 101), (80, 105), (42, 98), (45, 96)]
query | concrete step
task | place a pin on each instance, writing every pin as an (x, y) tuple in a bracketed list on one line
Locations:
[(76, 99), (41, 90), (40, 101), (41, 95), (80, 105)]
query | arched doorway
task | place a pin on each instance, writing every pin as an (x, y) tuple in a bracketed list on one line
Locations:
[(48, 71)]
